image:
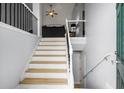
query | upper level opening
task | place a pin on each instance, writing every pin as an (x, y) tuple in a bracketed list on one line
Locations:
[(54, 17)]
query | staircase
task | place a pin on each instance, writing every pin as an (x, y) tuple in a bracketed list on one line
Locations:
[(48, 67)]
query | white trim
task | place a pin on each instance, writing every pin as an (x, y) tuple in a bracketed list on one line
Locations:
[(71, 78), (45, 75), (48, 66), (48, 59), (38, 27), (29, 10), (37, 13), (12, 28), (76, 20)]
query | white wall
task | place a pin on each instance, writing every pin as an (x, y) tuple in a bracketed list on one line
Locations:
[(64, 11), (76, 66), (15, 51), (101, 40), (77, 11), (77, 15), (38, 13), (78, 44)]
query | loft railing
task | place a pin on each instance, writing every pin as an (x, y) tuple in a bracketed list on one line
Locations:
[(69, 46), (70, 50), (69, 56), (19, 16)]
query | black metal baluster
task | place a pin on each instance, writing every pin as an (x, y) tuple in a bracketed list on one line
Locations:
[(16, 15), (5, 12), (23, 18), (31, 24), (20, 18), (28, 21), (83, 14), (10, 12), (0, 12)]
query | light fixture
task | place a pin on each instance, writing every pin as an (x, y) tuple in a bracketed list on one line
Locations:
[(51, 12)]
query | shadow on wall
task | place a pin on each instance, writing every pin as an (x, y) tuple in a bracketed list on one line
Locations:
[(16, 48)]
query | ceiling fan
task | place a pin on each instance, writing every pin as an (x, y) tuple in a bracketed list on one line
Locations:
[(51, 12)]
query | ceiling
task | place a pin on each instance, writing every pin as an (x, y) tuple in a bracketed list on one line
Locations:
[(64, 11)]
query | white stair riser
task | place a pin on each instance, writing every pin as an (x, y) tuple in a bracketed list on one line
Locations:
[(52, 43), (45, 75), (48, 50), (35, 86), (49, 53), (48, 58), (48, 66), (51, 48), (52, 39)]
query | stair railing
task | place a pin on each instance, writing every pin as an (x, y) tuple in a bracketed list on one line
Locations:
[(105, 58), (19, 16), (69, 56)]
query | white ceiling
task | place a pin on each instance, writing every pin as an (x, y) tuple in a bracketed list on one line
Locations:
[(64, 11)]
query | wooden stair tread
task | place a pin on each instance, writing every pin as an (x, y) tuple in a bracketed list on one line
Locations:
[(43, 62), (50, 45), (50, 50), (44, 81), (52, 41), (48, 55), (32, 70)]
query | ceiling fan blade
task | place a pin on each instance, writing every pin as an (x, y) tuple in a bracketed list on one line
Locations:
[(47, 11), (53, 10), (56, 13), (47, 14), (52, 16), (51, 7)]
